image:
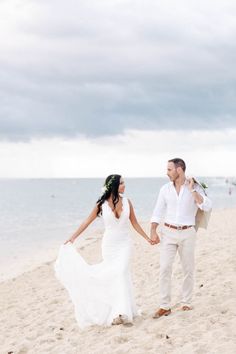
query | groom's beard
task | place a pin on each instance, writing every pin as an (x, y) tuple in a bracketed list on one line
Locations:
[(174, 178)]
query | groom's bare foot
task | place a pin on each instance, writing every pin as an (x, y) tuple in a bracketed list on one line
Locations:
[(161, 312)]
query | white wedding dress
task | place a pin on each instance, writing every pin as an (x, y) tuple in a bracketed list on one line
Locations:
[(103, 291)]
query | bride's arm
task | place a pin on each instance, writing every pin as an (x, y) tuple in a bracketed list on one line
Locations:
[(136, 225), (92, 216)]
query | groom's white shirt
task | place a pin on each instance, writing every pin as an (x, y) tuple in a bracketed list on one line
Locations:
[(178, 209)]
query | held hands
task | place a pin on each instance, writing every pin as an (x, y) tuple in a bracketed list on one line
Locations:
[(148, 239), (155, 239), (151, 241)]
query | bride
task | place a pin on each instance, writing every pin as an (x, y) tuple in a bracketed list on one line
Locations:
[(102, 293)]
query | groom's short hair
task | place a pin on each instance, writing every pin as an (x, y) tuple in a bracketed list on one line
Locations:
[(178, 163)]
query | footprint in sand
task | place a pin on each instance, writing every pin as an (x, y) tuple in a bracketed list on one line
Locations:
[(120, 339), (23, 350), (59, 336)]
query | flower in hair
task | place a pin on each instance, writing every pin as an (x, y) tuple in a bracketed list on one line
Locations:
[(107, 185)]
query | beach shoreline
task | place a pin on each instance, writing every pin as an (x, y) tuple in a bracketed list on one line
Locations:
[(38, 317)]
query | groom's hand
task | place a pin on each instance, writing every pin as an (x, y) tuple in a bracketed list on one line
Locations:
[(154, 237), (191, 182)]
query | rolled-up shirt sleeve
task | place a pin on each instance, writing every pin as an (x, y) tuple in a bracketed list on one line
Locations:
[(160, 208), (206, 205)]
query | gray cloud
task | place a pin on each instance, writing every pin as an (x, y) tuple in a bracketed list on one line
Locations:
[(99, 68)]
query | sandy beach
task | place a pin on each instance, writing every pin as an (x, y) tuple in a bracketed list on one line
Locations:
[(37, 315)]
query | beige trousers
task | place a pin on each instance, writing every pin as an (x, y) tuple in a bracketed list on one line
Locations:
[(183, 242)]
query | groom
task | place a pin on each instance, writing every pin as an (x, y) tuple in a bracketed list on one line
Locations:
[(176, 206)]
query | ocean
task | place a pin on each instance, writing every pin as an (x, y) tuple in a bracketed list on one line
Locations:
[(37, 215)]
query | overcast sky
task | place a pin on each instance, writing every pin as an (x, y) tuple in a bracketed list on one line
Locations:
[(89, 88)]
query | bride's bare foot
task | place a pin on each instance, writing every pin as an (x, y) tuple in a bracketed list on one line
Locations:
[(122, 319), (117, 321)]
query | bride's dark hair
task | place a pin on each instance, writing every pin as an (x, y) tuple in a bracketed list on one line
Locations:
[(111, 187)]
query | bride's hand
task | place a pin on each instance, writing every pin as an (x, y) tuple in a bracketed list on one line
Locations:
[(69, 240)]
